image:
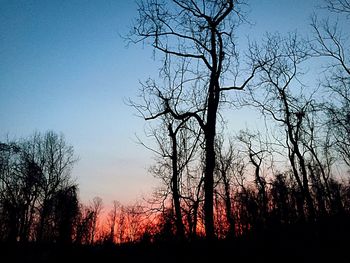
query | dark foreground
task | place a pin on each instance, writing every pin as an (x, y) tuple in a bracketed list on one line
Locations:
[(329, 243)]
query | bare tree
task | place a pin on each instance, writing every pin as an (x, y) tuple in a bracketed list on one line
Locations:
[(280, 72), (338, 6), (226, 162), (112, 220), (331, 43), (121, 225), (84, 225), (193, 196), (53, 159), (256, 150), (177, 144), (199, 35), (175, 180), (35, 171), (134, 220), (96, 208)]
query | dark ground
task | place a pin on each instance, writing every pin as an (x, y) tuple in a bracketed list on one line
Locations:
[(326, 242)]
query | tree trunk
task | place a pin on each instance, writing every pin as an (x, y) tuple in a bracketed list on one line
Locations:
[(229, 215), (175, 189), (210, 132), (306, 190)]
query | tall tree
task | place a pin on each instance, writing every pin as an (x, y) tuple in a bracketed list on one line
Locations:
[(55, 158), (282, 58), (198, 36), (96, 208), (332, 44), (112, 220)]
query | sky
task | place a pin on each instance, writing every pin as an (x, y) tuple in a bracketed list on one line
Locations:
[(65, 67)]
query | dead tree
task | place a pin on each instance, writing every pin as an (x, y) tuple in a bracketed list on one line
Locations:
[(281, 59), (330, 44), (198, 36), (256, 151)]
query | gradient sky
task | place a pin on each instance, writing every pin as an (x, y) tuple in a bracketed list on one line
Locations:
[(64, 67)]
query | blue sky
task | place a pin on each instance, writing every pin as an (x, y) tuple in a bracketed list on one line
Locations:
[(64, 67)]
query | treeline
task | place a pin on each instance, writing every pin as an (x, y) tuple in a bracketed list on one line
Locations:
[(293, 172), (38, 197)]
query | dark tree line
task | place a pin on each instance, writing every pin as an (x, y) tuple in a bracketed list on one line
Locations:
[(213, 185), (39, 199), (38, 196)]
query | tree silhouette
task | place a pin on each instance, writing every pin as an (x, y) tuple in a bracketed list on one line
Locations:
[(55, 158), (112, 220), (65, 210), (177, 145), (282, 59), (84, 225), (226, 163), (198, 37), (330, 43), (256, 158), (10, 191), (95, 208), (34, 172)]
